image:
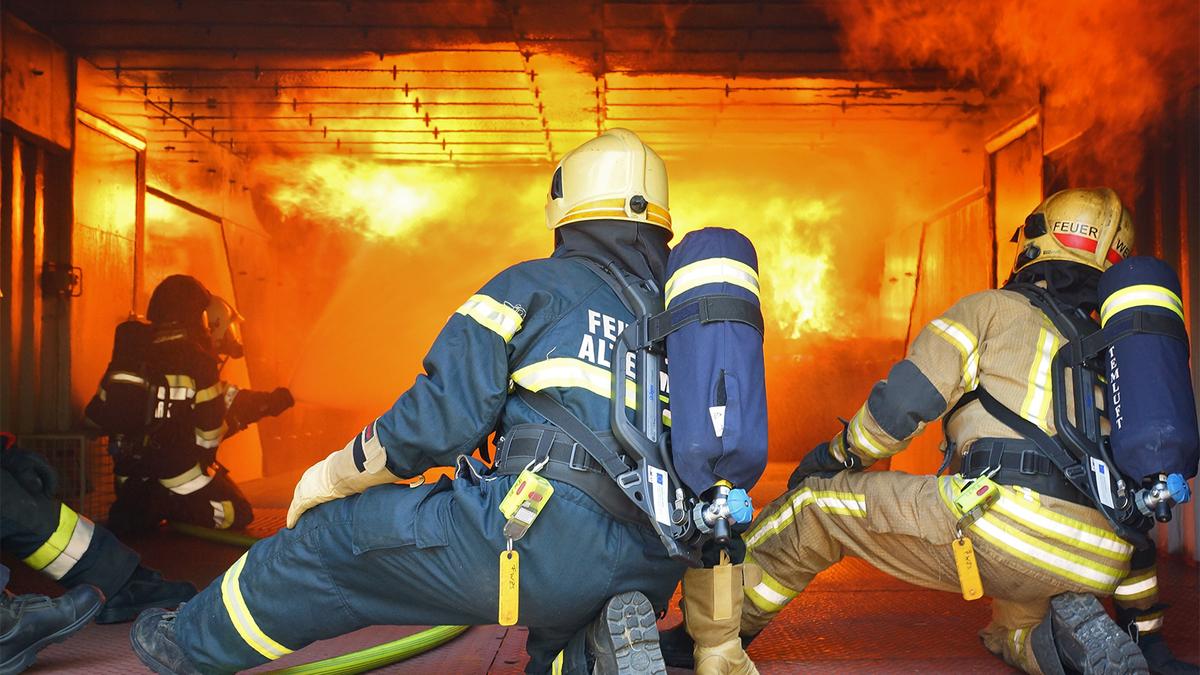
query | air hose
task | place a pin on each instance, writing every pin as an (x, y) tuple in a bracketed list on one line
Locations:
[(354, 662)]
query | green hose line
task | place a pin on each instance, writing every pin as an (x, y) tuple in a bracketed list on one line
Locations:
[(378, 656), (219, 536), (353, 662)]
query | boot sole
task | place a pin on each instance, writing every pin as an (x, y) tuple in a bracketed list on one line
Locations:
[(28, 655), (1090, 641), (624, 639)]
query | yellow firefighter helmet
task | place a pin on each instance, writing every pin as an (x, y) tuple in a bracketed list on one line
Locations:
[(1088, 226), (613, 176)]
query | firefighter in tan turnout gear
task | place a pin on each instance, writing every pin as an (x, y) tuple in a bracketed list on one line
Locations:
[(1008, 525)]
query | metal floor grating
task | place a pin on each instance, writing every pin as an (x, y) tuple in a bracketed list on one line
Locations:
[(852, 619)]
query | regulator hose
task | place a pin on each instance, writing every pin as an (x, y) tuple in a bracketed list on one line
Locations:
[(354, 662)]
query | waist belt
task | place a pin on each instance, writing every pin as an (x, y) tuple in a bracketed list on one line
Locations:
[(566, 461), (1021, 464)]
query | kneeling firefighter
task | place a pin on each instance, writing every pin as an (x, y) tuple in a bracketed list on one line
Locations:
[(579, 531), (165, 410), (1042, 516)]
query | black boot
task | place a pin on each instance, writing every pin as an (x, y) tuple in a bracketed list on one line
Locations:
[(624, 638), (677, 647), (153, 640), (30, 623), (1078, 635), (145, 589), (1154, 648)]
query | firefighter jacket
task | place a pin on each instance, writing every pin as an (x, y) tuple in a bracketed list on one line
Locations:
[(996, 339), (185, 423), (546, 325), (999, 340)]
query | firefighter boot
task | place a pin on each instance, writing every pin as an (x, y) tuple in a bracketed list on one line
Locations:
[(718, 647), (145, 589), (1145, 627), (153, 640), (623, 640), (29, 623), (1077, 635)]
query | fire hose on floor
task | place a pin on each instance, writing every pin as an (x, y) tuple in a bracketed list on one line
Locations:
[(354, 662)]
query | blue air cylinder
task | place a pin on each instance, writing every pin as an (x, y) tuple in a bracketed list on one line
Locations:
[(717, 383), (1151, 405)]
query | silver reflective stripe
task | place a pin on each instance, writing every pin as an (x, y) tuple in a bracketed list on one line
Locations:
[(81, 538), (126, 377), (1148, 626), (192, 485)]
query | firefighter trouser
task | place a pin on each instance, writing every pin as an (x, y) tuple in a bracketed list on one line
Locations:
[(60, 543), (193, 497), (422, 556), (1028, 548), (1136, 599)]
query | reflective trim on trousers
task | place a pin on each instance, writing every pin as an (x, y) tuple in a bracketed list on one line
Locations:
[(66, 545), (829, 501), (243, 620)]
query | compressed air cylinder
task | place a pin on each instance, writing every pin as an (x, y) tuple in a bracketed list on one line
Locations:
[(1151, 405), (718, 390)]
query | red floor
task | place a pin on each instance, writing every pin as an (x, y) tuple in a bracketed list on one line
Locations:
[(852, 619)]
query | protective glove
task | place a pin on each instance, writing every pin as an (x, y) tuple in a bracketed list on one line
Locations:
[(821, 462), (279, 400), (336, 476), (250, 406), (31, 470)]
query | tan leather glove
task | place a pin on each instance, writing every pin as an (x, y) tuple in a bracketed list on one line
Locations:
[(336, 476)]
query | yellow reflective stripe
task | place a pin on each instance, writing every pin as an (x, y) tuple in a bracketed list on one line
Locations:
[(1147, 295), (81, 540), (711, 271), (1148, 623), (243, 621), (658, 215), (556, 668), (65, 546), (1019, 636), (767, 598), (615, 208), (176, 481), (965, 342), (865, 440), (222, 514), (1050, 558), (1036, 407), (58, 540), (1138, 587), (1062, 528), (209, 393), (492, 315), (566, 372), (1032, 550), (210, 438), (829, 501)]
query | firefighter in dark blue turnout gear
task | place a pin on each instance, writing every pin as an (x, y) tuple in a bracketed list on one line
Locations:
[(592, 573)]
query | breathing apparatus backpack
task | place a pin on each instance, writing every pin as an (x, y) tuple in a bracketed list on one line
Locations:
[(126, 406), (1139, 356), (694, 488)]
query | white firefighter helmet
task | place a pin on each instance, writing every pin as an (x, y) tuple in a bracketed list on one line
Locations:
[(223, 325), (1088, 226), (613, 176)]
